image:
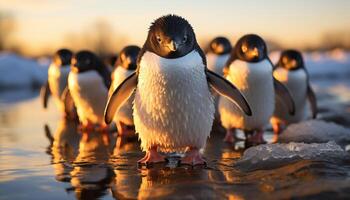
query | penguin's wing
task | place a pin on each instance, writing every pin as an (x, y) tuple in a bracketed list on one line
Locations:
[(312, 99), (69, 106), (225, 88), (119, 96), (45, 94), (284, 93)]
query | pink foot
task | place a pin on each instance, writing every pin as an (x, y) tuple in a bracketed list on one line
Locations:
[(229, 137), (152, 156), (193, 157)]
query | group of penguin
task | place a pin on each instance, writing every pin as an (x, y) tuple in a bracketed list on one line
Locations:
[(169, 91)]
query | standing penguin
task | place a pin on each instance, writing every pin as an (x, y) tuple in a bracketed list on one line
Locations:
[(218, 54), (125, 65), (173, 106), (291, 72), (88, 83), (250, 69), (57, 81)]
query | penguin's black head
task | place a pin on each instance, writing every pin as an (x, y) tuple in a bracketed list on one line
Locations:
[(220, 45), (291, 60), (128, 57), (84, 61), (251, 48), (170, 36), (62, 57)]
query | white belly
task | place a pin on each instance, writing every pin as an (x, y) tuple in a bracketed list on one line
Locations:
[(89, 95), (296, 82), (255, 82), (216, 63), (173, 106), (125, 112), (58, 77)]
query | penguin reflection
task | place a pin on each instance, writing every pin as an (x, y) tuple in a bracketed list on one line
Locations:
[(92, 176), (64, 147)]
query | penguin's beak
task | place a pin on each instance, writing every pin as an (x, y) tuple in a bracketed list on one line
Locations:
[(255, 52), (220, 48), (173, 46)]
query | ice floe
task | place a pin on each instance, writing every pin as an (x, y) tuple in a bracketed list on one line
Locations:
[(269, 156), (316, 131)]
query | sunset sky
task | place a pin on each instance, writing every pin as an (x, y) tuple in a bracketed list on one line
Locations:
[(43, 24)]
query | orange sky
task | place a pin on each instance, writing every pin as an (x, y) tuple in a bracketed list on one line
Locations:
[(44, 24)]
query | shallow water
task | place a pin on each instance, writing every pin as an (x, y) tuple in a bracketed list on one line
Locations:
[(33, 166)]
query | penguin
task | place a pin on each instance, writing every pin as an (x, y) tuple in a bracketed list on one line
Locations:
[(57, 82), (291, 72), (250, 70), (218, 53), (125, 65), (88, 84), (173, 107)]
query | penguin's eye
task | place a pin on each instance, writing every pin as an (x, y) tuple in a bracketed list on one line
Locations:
[(159, 39), (244, 49), (184, 39)]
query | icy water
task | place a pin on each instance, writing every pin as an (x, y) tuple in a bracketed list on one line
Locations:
[(42, 157)]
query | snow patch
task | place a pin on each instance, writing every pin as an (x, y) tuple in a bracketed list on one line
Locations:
[(19, 72), (269, 156), (316, 131)]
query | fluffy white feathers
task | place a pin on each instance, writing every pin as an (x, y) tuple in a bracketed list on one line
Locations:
[(57, 79), (89, 94), (296, 82), (255, 82), (173, 106)]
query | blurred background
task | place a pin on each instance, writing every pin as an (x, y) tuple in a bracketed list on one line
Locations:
[(36, 28), (32, 30)]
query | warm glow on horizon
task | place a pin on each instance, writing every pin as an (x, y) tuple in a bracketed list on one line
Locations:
[(45, 25)]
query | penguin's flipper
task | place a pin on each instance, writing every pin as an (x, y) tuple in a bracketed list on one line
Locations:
[(69, 106), (45, 94), (225, 88), (284, 94), (312, 100), (119, 96)]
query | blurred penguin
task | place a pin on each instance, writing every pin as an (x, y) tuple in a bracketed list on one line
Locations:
[(57, 82), (218, 53), (250, 69), (291, 72), (88, 84), (125, 65)]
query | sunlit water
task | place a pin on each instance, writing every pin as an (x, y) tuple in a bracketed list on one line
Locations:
[(34, 167)]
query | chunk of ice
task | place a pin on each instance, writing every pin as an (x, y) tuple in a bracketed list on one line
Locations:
[(269, 156), (316, 131)]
